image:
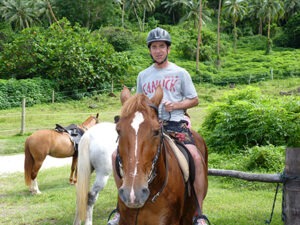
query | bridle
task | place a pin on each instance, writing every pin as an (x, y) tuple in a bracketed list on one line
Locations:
[(153, 171)]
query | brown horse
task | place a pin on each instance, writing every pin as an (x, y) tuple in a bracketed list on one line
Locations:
[(153, 189), (56, 144)]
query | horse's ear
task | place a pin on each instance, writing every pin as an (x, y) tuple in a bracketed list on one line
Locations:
[(97, 115), (156, 99), (125, 94)]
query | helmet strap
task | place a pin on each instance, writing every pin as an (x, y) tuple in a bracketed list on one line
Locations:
[(159, 63)]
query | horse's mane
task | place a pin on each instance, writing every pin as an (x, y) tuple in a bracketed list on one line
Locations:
[(138, 102)]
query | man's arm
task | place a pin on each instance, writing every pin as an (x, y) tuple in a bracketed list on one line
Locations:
[(185, 104)]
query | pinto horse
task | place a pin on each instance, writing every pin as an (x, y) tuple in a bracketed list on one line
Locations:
[(153, 189), (95, 149), (56, 144)]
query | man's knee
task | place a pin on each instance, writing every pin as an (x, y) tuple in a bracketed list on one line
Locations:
[(194, 152), (114, 156)]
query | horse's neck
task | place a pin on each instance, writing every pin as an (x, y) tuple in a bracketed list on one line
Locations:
[(86, 125)]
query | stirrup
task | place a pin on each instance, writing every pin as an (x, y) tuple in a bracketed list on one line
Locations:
[(200, 217), (112, 212), (115, 219)]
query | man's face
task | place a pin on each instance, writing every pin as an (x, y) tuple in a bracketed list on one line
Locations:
[(159, 51)]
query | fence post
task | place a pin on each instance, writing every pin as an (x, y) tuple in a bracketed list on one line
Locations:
[(23, 116), (291, 188), (53, 94)]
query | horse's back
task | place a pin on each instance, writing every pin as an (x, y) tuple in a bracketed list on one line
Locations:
[(48, 137), (103, 141)]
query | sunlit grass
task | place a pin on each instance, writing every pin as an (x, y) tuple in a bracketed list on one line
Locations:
[(226, 203)]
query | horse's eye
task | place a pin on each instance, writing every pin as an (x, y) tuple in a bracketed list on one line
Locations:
[(156, 133)]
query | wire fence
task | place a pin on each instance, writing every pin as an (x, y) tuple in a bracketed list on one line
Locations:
[(11, 123)]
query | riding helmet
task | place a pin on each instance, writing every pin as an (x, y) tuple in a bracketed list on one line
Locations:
[(158, 34)]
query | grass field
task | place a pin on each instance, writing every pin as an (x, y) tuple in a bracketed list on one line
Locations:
[(226, 203), (229, 201)]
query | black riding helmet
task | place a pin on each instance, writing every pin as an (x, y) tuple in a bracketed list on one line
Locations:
[(158, 34)]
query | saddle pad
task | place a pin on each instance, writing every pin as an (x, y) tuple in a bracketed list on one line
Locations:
[(180, 158)]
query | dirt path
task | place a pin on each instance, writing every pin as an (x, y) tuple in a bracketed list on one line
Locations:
[(15, 163)]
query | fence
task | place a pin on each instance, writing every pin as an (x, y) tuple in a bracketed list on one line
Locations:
[(290, 179), (12, 123)]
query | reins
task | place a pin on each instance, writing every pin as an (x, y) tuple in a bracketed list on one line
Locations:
[(162, 145)]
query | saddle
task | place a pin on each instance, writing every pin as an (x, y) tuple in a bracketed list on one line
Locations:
[(75, 133), (184, 158)]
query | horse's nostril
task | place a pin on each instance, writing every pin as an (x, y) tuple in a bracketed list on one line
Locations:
[(145, 192), (121, 191)]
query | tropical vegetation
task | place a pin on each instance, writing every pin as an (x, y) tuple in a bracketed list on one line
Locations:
[(82, 48)]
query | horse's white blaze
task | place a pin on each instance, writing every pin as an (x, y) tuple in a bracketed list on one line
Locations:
[(136, 122)]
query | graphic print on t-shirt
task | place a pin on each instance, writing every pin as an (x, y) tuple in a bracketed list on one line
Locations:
[(168, 83)]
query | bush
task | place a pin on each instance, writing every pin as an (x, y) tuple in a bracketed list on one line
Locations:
[(69, 55), (266, 158), (118, 37), (245, 119), (35, 90)]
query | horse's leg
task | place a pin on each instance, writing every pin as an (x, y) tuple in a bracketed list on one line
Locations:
[(98, 185), (73, 174), (34, 188)]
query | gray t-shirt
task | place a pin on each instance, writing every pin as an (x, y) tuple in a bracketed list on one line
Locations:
[(176, 83)]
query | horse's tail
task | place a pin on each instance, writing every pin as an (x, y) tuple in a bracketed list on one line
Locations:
[(28, 163), (83, 176)]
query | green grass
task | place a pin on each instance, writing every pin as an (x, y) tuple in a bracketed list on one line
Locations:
[(227, 202), (45, 116)]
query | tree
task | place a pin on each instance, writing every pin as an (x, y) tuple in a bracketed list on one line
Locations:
[(272, 9), (20, 13), (254, 11), (199, 35), (218, 34), (140, 7), (235, 9), (171, 8), (291, 7), (122, 3)]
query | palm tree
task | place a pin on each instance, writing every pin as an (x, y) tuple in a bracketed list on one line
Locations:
[(291, 7), (199, 35), (171, 7), (20, 13), (218, 34), (272, 9), (141, 7), (254, 11), (122, 3), (235, 9)]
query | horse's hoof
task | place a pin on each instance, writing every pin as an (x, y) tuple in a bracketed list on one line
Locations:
[(35, 192)]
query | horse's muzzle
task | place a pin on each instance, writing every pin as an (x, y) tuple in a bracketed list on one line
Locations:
[(134, 197)]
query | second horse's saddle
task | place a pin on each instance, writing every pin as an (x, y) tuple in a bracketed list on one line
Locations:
[(74, 132)]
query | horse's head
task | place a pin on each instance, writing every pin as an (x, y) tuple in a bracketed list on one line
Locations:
[(89, 122), (139, 140)]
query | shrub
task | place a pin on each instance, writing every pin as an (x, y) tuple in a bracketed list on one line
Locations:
[(35, 90), (72, 57), (245, 119), (120, 38), (266, 158)]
